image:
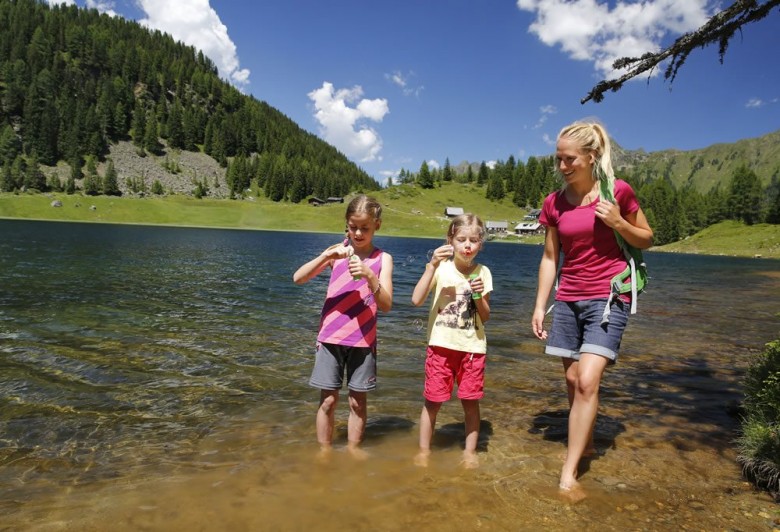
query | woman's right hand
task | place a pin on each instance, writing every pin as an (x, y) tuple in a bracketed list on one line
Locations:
[(537, 324)]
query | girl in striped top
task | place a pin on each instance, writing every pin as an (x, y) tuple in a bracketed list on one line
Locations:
[(360, 284)]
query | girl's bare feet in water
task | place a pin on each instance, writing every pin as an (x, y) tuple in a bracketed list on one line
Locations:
[(422, 458), (470, 460), (323, 456), (356, 452)]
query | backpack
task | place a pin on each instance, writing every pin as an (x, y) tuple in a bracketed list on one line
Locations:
[(636, 268)]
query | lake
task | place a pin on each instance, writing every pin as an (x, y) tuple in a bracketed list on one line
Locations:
[(156, 378)]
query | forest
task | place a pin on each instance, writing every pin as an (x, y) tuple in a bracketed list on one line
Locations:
[(73, 81)]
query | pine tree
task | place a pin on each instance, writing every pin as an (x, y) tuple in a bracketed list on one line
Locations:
[(745, 196), (482, 175), (447, 172), (91, 179), (111, 181), (424, 178)]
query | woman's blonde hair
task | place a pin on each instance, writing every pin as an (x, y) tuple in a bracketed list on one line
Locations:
[(364, 204), (465, 220), (592, 138)]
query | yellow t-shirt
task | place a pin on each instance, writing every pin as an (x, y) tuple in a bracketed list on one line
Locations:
[(453, 321)]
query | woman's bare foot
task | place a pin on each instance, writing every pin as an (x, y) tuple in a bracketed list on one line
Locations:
[(470, 460), (422, 458), (571, 491)]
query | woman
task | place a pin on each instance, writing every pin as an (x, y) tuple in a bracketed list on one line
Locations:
[(583, 226)]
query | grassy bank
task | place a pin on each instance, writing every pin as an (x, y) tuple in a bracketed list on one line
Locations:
[(408, 211), (731, 238)]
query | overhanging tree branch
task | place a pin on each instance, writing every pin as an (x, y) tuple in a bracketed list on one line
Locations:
[(720, 28)]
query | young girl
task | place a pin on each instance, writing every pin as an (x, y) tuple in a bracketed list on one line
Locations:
[(360, 283), (583, 226), (456, 331)]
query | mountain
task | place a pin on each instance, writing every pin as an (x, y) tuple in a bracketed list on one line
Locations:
[(706, 167)]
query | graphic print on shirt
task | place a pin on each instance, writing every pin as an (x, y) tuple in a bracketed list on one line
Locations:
[(456, 309)]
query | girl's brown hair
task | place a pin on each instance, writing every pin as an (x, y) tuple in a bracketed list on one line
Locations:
[(364, 204), (465, 220)]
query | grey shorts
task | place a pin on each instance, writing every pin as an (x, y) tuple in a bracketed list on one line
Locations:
[(576, 328), (331, 360)]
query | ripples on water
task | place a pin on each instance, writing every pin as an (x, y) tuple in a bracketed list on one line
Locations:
[(141, 357)]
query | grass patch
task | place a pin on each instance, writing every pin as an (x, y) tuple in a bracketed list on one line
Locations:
[(759, 443), (407, 211), (731, 238)]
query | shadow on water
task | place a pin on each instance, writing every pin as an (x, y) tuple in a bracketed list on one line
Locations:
[(453, 435)]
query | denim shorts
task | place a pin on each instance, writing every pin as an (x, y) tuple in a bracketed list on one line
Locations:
[(576, 328), (331, 360)]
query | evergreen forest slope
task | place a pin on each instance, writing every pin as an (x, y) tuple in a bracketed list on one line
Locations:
[(74, 82)]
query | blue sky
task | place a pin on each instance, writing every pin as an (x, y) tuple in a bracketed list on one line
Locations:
[(393, 84)]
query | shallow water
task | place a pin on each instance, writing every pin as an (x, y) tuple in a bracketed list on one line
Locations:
[(155, 378)]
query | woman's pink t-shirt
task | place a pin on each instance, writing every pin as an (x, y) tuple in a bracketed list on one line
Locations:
[(592, 256)]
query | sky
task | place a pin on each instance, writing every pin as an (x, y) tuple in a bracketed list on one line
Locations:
[(394, 84)]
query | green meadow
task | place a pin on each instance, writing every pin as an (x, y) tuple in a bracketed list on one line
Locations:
[(408, 211)]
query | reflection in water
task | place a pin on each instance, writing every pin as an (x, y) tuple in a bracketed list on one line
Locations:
[(155, 378)]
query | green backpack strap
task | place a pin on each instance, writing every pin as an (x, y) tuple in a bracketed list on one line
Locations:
[(634, 278)]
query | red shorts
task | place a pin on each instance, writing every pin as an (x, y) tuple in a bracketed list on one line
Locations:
[(444, 367)]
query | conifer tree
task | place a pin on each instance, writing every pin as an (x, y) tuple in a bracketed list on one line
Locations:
[(91, 179), (424, 178), (111, 180)]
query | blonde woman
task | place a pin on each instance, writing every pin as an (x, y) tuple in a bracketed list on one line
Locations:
[(583, 226)]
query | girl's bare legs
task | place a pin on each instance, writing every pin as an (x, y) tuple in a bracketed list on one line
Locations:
[(471, 415), (571, 369), (427, 424), (583, 411), (356, 425), (326, 415)]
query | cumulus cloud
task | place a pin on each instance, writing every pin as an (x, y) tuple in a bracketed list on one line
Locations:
[(342, 115), (546, 111), (589, 30), (195, 23), (104, 6), (402, 81)]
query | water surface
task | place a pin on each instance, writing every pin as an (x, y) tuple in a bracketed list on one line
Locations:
[(155, 378)]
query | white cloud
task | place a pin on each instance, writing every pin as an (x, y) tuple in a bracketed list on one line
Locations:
[(545, 111), (342, 114), (754, 103), (195, 23), (588, 30), (433, 164), (402, 81), (58, 2), (104, 6)]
